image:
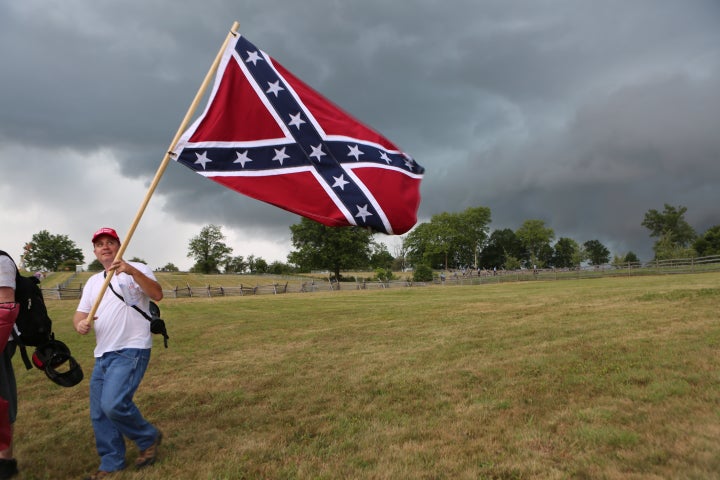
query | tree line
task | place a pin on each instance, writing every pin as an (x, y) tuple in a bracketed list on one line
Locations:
[(456, 240), (461, 240)]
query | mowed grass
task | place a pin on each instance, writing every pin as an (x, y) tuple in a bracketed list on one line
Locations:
[(612, 378)]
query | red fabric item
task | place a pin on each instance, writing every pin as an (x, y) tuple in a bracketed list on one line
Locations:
[(5, 428), (8, 314), (269, 136)]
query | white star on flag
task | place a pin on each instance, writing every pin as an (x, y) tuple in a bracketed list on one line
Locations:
[(253, 57), (384, 156), (317, 152), (355, 152), (242, 158), (340, 182), (280, 155), (274, 87), (202, 159), (295, 120), (363, 212)]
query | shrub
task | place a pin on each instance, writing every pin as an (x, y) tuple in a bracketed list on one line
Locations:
[(422, 273), (383, 274)]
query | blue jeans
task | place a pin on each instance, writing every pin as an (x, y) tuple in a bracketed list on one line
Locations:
[(115, 378)]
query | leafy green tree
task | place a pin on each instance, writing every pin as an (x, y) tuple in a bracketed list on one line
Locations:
[(535, 238), (138, 259), (708, 243), (580, 256), (383, 274), (235, 264), (170, 267), (512, 263), (95, 266), (666, 249), (449, 240), (422, 273), (674, 233), (502, 245), (380, 257), (398, 264), (417, 246), (261, 265), (460, 236), (332, 248), (567, 253), (474, 230), (544, 258), (443, 232), (47, 252), (209, 250), (597, 253), (257, 264), (630, 257), (280, 268), (400, 254)]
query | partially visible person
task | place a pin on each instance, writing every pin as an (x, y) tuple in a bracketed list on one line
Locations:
[(122, 353), (8, 389)]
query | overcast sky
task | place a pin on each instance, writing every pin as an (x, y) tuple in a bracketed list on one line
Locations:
[(582, 113)]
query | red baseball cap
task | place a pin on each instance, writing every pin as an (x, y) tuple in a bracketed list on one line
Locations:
[(106, 231)]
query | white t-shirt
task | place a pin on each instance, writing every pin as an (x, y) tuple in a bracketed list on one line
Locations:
[(7, 272), (118, 325)]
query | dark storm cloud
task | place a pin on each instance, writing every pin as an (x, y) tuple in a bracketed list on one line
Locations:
[(583, 114), (635, 150)]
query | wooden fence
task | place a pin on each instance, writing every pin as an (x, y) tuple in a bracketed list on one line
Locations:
[(655, 267), (68, 292), (221, 291), (467, 277), (65, 292)]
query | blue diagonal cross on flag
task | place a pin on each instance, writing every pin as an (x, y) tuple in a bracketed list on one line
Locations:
[(268, 135)]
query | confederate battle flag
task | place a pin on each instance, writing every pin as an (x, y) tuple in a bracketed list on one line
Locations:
[(268, 135)]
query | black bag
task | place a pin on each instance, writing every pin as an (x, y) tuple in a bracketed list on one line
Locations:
[(55, 360), (33, 326), (157, 324)]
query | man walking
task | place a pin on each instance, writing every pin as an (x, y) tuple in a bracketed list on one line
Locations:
[(122, 354)]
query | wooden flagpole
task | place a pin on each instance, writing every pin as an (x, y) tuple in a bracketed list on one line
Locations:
[(164, 164)]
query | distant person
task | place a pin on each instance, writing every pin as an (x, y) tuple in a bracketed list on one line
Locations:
[(122, 354), (8, 389)]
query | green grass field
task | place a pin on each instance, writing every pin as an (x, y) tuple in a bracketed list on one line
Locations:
[(612, 378)]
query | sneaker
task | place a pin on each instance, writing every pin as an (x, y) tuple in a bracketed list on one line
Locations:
[(8, 468), (148, 456), (100, 474)]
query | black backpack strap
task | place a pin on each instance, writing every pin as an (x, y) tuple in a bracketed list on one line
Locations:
[(158, 323), (147, 317), (23, 350)]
